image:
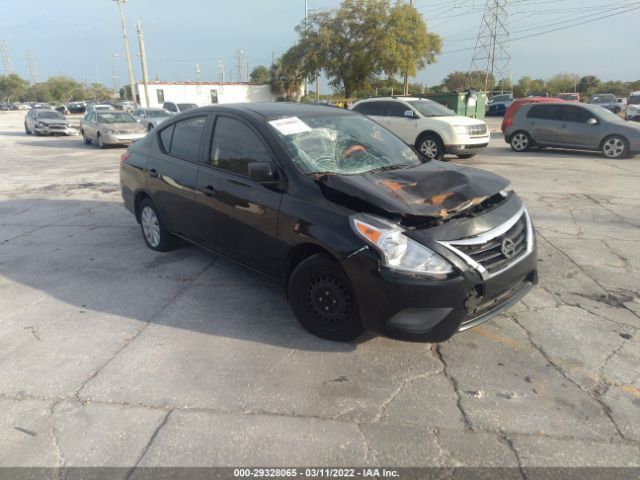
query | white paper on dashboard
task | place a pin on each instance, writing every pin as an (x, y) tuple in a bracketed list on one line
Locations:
[(290, 125)]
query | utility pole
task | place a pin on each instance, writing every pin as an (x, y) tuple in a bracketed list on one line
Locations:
[(114, 77), (221, 71), (143, 62), (492, 53), (126, 49), (306, 80)]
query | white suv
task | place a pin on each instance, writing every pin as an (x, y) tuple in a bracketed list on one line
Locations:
[(633, 107), (431, 127)]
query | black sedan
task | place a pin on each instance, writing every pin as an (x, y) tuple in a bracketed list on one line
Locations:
[(363, 232)]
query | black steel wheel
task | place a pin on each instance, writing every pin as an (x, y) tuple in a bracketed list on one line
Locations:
[(322, 299)]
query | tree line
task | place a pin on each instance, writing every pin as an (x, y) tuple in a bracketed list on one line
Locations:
[(62, 89)]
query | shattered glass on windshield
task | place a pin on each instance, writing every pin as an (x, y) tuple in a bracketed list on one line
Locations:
[(343, 145)]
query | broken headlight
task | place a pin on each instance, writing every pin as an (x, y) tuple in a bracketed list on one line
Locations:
[(398, 251)]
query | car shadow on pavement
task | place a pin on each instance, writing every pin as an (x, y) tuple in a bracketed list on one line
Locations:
[(57, 142), (90, 255)]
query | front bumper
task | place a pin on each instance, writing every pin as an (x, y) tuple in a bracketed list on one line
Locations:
[(424, 309), (122, 139), (467, 148), (48, 130)]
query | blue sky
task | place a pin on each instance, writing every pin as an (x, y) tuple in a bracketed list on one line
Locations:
[(78, 37)]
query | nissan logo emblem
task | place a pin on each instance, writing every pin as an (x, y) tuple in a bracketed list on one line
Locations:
[(508, 248)]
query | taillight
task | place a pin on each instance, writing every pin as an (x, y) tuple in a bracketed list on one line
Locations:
[(125, 156)]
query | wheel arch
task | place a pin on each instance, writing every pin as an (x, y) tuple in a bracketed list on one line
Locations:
[(424, 133), (300, 253), (140, 196)]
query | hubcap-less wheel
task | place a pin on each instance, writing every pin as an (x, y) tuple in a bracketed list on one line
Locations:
[(429, 148), (613, 147), (329, 300), (520, 142), (100, 142), (150, 226)]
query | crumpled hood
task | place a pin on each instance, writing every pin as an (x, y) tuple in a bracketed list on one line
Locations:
[(433, 189)]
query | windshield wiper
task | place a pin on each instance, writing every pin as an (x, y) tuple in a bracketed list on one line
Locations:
[(389, 167)]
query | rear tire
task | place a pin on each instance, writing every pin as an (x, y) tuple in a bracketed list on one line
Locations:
[(154, 232), (615, 147), (520, 141), (430, 146), (323, 300)]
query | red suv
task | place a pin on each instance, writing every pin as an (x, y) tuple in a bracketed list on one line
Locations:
[(516, 104)]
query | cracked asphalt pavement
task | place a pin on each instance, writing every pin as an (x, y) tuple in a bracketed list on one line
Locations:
[(114, 355)]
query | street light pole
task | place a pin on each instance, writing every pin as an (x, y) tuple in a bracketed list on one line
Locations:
[(126, 48), (306, 80), (143, 61)]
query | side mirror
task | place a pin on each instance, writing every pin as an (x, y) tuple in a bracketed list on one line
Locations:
[(409, 114), (261, 172), (592, 121)]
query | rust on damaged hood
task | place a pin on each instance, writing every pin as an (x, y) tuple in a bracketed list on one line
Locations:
[(433, 189)]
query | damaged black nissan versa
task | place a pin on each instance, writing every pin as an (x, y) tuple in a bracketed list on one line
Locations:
[(364, 233)]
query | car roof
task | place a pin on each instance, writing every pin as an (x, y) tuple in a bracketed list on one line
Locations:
[(394, 99), (279, 109)]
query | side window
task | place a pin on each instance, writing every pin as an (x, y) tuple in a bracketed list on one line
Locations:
[(575, 114), (396, 109), (376, 108), (165, 138), (186, 138), (544, 112), (160, 95), (234, 146), (362, 108)]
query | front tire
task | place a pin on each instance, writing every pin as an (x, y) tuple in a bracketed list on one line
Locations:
[(615, 147), (466, 156), (154, 232), (520, 141), (85, 139), (99, 141), (323, 300), (26, 129), (430, 146)]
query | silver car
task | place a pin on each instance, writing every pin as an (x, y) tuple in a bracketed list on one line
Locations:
[(47, 122), (110, 127), (569, 125), (151, 117)]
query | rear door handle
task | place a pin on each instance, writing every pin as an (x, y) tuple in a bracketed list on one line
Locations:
[(153, 173), (209, 191)]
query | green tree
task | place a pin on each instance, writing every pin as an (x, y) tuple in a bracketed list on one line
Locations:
[(562, 82), (588, 84), (458, 81), (97, 91), (12, 87), (287, 77), (260, 74), (362, 39), (63, 89), (37, 92), (410, 46)]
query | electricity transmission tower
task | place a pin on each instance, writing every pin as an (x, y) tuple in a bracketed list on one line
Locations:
[(492, 54), (33, 67), (5, 56)]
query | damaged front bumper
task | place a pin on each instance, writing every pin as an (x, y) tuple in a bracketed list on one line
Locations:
[(425, 309)]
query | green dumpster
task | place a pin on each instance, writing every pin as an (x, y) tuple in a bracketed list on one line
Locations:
[(469, 104)]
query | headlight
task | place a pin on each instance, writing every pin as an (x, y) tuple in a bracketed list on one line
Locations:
[(40, 124), (460, 129), (398, 251)]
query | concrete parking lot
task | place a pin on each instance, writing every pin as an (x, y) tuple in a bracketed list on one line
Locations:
[(114, 355)]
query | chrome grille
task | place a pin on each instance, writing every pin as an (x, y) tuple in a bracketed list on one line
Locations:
[(476, 130), (494, 251)]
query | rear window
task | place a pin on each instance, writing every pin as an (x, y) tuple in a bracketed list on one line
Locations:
[(634, 100)]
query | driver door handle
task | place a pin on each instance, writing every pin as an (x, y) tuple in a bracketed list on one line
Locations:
[(209, 191), (153, 173)]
